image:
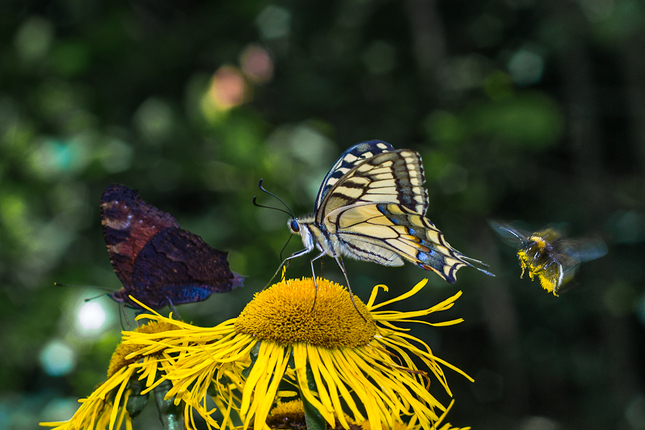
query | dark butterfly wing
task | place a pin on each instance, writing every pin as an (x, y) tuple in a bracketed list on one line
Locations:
[(128, 224), (156, 261), (347, 161), (178, 266)]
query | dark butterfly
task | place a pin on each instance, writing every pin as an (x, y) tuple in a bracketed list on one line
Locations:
[(159, 263), (371, 206), (547, 255)]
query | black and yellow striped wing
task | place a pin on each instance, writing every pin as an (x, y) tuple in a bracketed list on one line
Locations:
[(373, 202), (346, 162), (391, 176)]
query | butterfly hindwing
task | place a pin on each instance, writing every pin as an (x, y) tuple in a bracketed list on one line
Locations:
[(163, 272), (383, 233), (158, 262)]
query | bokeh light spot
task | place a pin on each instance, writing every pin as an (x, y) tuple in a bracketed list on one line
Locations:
[(54, 157), (115, 155), (627, 226), (59, 409), (91, 316), (274, 22), (635, 412), (34, 38), (227, 90), (154, 119), (526, 67), (256, 63), (538, 423), (57, 358)]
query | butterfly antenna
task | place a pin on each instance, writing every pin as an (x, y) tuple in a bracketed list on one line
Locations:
[(93, 298), (289, 212), (58, 284)]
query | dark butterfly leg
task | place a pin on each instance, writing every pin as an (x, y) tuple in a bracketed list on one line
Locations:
[(173, 310), (123, 315)]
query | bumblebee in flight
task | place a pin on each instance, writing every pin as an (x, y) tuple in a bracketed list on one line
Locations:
[(547, 255)]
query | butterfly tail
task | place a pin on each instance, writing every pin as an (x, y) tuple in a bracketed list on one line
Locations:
[(472, 262)]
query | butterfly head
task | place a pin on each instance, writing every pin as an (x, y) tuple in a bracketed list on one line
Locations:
[(303, 226), (294, 226), (120, 296)]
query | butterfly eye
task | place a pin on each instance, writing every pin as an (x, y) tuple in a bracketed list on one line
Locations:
[(293, 226)]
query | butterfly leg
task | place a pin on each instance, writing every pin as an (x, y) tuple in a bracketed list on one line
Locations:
[(341, 265), (173, 310), (313, 273), (123, 315), (286, 261)]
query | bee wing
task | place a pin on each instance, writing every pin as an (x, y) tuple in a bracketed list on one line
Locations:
[(582, 249), (511, 235)]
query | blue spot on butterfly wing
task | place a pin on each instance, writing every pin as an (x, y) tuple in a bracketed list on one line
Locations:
[(435, 260)]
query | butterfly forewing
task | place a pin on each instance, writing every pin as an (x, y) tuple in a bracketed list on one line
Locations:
[(125, 235), (346, 162), (391, 177)]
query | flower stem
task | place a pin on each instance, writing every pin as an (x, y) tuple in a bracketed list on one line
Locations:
[(313, 417), (170, 415)]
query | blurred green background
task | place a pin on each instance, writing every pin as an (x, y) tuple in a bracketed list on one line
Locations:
[(521, 109)]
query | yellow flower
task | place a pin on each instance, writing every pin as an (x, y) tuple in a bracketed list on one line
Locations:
[(108, 406), (341, 362), (292, 415)]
